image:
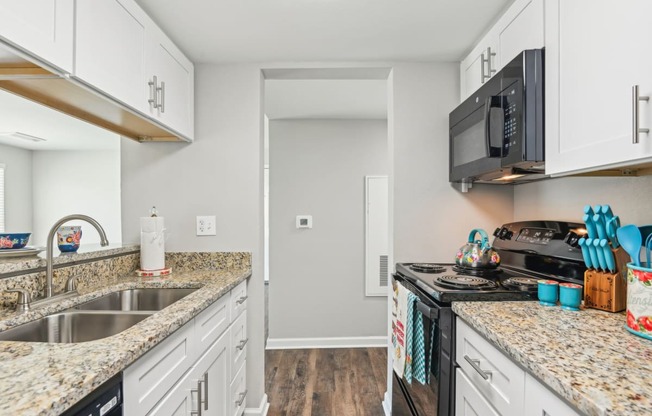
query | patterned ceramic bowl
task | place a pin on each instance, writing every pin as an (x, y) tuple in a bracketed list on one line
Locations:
[(13, 240), (68, 238)]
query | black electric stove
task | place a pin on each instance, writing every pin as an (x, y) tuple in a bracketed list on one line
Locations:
[(529, 251)]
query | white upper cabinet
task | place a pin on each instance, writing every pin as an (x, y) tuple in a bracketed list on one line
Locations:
[(123, 53), (171, 83), (110, 49), (595, 53), (42, 28), (519, 28)]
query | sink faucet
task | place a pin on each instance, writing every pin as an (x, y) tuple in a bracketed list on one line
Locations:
[(53, 230)]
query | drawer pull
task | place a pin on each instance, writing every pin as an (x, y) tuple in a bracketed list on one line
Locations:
[(199, 400), (241, 400), (205, 391), (635, 101), (476, 366), (241, 300), (242, 344)]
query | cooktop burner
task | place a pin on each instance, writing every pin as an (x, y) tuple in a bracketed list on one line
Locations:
[(464, 282), (521, 283), (472, 271), (427, 267)]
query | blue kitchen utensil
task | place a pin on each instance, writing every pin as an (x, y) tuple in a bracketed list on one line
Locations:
[(607, 212), (600, 253), (597, 209), (590, 227), (598, 221), (609, 260), (585, 253), (588, 210), (645, 230), (592, 253), (630, 238), (611, 226), (648, 246)]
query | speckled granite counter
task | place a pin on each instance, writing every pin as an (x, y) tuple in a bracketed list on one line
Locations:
[(587, 357), (46, 379)]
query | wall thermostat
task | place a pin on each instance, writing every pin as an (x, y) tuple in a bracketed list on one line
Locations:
[(304, 221)]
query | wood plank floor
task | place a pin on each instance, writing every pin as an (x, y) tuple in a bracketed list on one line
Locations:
[(326, 382)]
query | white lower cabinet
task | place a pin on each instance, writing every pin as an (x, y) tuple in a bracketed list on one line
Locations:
[(198, 370), (468, 400), (489, 383)]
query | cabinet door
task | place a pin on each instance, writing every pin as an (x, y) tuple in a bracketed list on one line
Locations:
[(238, 300), (238, 400), (110, 49), (180, 401), (147, 380), (212, 377), (175, 83), (521, 29), (475, 70), (542, 402), (595, 52), (468, 400), (43, 28)]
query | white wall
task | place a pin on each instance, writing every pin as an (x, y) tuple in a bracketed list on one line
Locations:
[(564, 198), (431, 219), (317, 167), (77, 182), (18, 189), (220, 174)]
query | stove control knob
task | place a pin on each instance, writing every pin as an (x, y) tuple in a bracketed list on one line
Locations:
[(496, 231), (572, 239), (509, 235), (503, 233)]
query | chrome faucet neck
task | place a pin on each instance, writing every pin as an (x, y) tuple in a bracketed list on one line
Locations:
[(50, 244)]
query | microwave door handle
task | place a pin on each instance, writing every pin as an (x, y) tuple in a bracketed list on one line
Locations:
[(428, 312), (489, 103)]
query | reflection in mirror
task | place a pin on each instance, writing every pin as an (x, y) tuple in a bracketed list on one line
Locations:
[(56, 165)]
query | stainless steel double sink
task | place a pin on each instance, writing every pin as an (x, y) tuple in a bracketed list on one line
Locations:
[(99, 318)]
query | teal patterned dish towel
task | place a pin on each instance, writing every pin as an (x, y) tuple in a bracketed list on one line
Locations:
[(409, 334)]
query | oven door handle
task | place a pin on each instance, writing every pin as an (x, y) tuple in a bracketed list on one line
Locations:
[(430, 313)]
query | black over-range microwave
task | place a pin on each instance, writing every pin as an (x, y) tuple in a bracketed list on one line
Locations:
[(497, 134)]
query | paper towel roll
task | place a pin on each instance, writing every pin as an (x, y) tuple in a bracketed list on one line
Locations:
[(152, 243)]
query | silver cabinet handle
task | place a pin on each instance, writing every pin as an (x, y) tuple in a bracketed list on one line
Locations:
[(241, 400), (635, 102), (205, 391), (161, 89), (241, 300), (476, 366), (487, 60), (242, 344), (199, 400), (482, 75), (153, 95)]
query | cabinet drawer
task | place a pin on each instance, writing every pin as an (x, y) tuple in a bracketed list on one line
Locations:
[(239, 391), (499, 380), (541, 401), (238, 300), (212, 322), (148, 379), (239, 341), (468, 400), (178, 402)]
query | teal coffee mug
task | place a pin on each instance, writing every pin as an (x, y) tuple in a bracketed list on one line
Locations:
[(570, 296), (548, 291)]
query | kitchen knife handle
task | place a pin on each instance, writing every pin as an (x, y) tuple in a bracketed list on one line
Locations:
[(635, 110), (598, 220), (600, 254), (585, 253), (592, 253), (590, 226)]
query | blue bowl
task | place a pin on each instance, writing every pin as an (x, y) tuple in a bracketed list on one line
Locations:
[(10, 241)]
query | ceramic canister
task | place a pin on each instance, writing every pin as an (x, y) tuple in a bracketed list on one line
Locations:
[(639, 300)]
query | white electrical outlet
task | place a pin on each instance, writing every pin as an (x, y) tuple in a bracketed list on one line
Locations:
[(206, 225)]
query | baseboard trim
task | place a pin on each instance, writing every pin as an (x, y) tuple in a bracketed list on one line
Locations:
[(260, 410), (387, 405), (335, 342)]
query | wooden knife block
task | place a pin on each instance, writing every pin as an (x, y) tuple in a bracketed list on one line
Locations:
[(608, 291)]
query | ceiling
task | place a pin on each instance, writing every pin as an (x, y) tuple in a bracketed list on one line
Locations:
[(61, 131), (324, 30)]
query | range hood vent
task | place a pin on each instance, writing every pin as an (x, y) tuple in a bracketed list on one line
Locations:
[(71, 96)]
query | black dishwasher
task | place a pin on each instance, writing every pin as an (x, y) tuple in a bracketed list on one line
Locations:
[(106, 400)]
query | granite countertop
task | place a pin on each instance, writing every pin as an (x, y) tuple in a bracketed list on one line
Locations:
[(587, 357), (46, 379)]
